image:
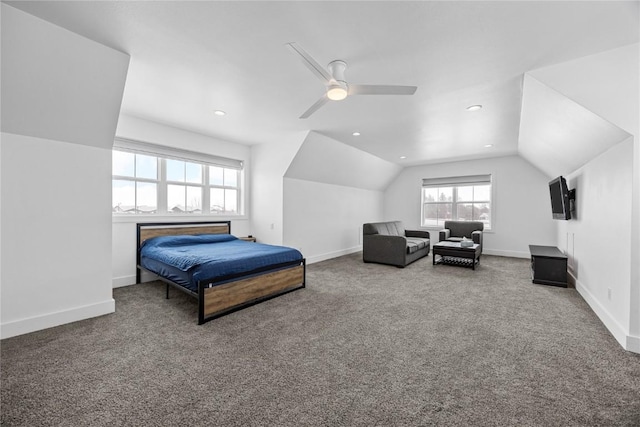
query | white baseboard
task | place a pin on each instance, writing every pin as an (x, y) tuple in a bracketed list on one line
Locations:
[(335, 254), (618, 331), (37, 323), (119, 282), (512, 254), (633, 344)]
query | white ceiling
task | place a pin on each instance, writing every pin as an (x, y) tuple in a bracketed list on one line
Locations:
[(550, 119), (191, 58)]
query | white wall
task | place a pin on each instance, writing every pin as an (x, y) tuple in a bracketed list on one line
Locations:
[(608, 84), (597, 238), (61, 96), (330, 189), (56, 235), (325, 220), (270, 162), (124, 228), (521, 206)]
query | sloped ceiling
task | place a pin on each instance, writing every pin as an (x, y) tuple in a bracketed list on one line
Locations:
[(558, 135), (323, 159), (59, 86), (189, 58), (606, 83)]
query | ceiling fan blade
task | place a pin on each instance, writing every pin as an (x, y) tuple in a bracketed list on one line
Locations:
[(311, 63), (319, 103), (381, 90)]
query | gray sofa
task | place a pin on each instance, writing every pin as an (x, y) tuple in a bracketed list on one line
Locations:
[(389, 243), (454, 231)]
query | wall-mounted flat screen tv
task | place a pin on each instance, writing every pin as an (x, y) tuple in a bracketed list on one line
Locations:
[(560, 207)]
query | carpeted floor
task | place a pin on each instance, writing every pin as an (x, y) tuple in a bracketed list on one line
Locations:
[(362, 345)]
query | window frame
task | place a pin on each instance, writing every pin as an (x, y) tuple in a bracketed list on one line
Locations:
[(163, 154), (456, 182)]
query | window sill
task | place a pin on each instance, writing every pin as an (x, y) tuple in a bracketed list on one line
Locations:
[(175, 218)]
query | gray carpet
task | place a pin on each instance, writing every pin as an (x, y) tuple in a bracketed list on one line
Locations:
[(362, 345)]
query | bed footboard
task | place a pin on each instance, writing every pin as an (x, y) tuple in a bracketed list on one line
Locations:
[(223, 299)]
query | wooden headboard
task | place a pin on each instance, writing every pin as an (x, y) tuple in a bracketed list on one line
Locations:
[(149, 230)]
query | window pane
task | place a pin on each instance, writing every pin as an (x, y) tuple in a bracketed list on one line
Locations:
[(444, 213), (146, 167), (123, 195), (216, 175), (445, 194), (230, 177), (175, 171), (430, 215), (482, 193), (194, 199), (175, 198), (465, 211), (230, 201), (146, 198), (482, 212), (465, 194), (194, 173), (217, 200), (430, 194), (122, 163)]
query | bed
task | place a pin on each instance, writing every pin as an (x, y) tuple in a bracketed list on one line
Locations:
[(224, 273)]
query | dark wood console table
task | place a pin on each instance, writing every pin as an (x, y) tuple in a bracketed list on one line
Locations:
[(548, 266)]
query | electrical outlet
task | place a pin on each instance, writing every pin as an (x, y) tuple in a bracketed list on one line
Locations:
[(609, 293), (272, 226)]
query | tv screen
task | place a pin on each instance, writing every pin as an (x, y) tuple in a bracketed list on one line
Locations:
[(559, 198)]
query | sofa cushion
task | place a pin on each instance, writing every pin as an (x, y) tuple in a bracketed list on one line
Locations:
[(415, 244)]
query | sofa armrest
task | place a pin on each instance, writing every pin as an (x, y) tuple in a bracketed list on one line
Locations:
[(384, 249), (417, 233), (476, 236), (445, 234)]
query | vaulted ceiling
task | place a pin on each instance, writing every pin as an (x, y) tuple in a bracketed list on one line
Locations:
[(189, 59)]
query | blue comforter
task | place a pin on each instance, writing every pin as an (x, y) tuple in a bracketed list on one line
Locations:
[(210, 256)]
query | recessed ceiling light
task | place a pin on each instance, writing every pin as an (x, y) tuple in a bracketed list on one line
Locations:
[(403, 157), (219, 113), (474, 107), (488, 146), (356, 134)]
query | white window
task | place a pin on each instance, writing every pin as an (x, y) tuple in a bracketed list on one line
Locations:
[(149, 179), (462, 198)]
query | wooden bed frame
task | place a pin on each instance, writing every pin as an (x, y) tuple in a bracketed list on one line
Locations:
[(239, 291)]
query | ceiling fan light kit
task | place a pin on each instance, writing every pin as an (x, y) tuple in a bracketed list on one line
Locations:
[(335, 82), (337, 92)]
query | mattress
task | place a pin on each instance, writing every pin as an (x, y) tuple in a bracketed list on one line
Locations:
[(215, 258)]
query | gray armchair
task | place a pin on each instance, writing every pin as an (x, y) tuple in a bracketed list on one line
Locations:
[(389, 243), (454, 231)]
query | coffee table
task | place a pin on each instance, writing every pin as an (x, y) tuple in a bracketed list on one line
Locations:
[(453, 253)]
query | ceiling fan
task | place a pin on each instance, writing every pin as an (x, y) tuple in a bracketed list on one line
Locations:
[(337, 87)]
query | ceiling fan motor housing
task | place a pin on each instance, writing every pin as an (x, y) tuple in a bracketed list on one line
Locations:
[(339, 90), (336, 69)]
